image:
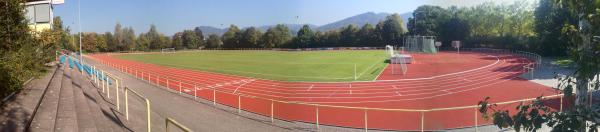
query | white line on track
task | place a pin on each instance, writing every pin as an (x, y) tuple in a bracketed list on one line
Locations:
[(236, 89), (311, 86)]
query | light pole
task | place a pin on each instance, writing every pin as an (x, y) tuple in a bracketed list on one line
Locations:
[(79, 17)]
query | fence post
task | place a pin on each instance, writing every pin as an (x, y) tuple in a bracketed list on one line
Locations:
[(167, 82), (107, 87), (272, 111), (366, 121), (239, 104), (102, 79), (148, 114), (422, 121), (179, 86), (561, 102), (117, 91), (157, 80), (214, 96), (126, 104), (476, 120), (195, 91), (317, 121)]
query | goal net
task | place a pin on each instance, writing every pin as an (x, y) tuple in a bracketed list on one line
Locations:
[(167, 50), (422, 44), (398, 59)]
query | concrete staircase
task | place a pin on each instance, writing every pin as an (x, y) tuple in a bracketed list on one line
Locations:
[(72, 104)]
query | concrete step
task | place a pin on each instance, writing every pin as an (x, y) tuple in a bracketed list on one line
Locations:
[(44, 118), (85, 120), (106, 119), (66, 116)]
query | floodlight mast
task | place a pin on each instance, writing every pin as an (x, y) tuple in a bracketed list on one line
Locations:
[(79, 23)]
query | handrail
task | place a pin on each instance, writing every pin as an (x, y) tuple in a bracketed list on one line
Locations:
[(177, 124), (147, 107)]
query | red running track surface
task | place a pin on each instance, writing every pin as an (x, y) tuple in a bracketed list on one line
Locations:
[(427, 86)]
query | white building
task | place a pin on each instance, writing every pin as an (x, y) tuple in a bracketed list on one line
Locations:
[(40, 14)]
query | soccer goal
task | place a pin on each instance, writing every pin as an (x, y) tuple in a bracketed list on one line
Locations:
[(420, 44), (167, 50), (398, 58)]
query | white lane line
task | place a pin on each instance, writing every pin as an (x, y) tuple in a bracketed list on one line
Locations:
[(398, 93), (311, 86), (394, 86), (236, 89), (467, 80)]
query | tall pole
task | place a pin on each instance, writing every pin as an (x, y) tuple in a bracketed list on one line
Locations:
[(79, 17)]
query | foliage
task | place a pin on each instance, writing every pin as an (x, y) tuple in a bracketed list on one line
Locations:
[(22, 54), (584, 49), (213, 41)]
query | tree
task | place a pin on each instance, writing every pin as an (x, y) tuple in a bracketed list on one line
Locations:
[(89, 42), (214, 41), (142, 42), (304, 37), (200, 35), (231, 38), (277, 36), (348, 36), (117, 42), (393, 29), (190, 40), (366, 35), (549, 20), (128, 40), (109, 41), (177, 42), (21, 54), (101, 43), (584, 43), (427, 20), (251, 38), (154, 37)]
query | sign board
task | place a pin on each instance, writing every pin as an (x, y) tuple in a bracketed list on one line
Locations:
[(438, 44), (456, 44)]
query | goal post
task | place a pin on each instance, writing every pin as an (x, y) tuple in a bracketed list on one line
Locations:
[(167, 50)]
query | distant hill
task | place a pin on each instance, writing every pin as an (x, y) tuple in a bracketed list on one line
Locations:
[(208, 30), (358, 20), (361, 19)]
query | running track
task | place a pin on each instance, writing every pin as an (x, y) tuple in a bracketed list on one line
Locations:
[(385, 105)]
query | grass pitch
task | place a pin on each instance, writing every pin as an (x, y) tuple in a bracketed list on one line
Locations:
[(336, 66)]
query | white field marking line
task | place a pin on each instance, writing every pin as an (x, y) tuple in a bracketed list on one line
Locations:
[(311, 86), (380, 72), (398, 93), (370, 67), (436, 89), (236, 89), (467, 80)]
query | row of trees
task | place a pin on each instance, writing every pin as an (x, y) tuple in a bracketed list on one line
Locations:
[(389, 31), (516, 26)]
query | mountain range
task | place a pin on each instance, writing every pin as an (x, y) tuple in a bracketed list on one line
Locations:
[(358, 20)]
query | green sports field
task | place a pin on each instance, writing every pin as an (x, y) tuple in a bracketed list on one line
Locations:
[(328, 66)]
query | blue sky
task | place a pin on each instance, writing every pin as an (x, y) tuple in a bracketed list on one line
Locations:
[(171, 16)]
